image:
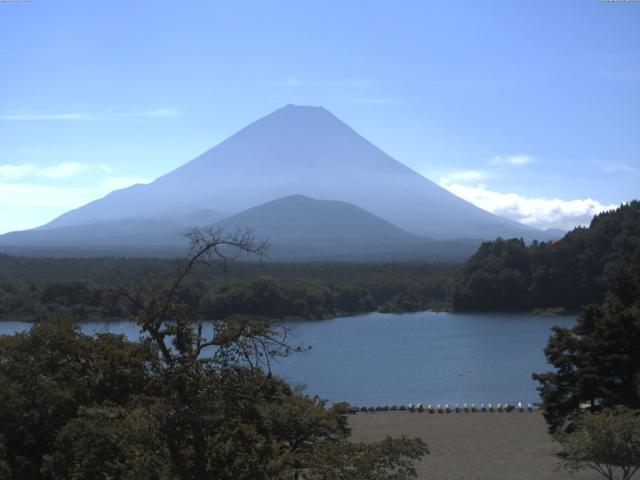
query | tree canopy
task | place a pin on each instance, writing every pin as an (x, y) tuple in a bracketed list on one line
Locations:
[(176, 404), (33, 289), (569, 273), (597, 362), (607, 442)]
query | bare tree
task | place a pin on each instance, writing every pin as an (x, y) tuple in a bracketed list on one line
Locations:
[(221, 412), (176, 326)]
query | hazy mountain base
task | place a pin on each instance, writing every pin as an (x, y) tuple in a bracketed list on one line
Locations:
[(425, 251), (297, 228)]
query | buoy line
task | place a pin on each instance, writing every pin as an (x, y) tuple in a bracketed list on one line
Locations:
[(447, 408)]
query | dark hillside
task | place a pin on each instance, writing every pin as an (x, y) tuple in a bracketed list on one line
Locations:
[(35, 288), (571, 272)]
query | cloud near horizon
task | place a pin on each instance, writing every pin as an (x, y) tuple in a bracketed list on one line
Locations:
[(9, 172), (153, 113), (24, 204), (156, 113), (47, 116), (511, 160), (538, 212), (497, 167), (615, 167), (465, 176)]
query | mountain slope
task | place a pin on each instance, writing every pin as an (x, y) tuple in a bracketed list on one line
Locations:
[(110, 237), (297, 228), (303, 150), (302, 226)]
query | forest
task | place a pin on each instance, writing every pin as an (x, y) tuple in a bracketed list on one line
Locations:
[(84, 407), (568, 273), (32, 289)]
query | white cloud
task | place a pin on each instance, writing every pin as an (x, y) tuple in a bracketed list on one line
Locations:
[(616, 167), (10, 172), (537, 212), (156, 113), (349, 82), (26, 195), (478, 175), (153, 113), (15, 172), (511, 160), (465, 176), (24, 205), (47, 116), (69, 169)]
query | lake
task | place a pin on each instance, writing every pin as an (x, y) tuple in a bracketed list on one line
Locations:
[(425, 357)]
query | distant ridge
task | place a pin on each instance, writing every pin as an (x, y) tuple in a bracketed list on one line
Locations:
[(297, 228), (320, 228), (108, 237)]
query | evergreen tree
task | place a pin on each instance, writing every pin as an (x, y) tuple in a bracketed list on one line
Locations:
[(568, 273), (597, 362)]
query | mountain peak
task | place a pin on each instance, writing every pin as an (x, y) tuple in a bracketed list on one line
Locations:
[(302, 113), (290, 107), (303, 149)]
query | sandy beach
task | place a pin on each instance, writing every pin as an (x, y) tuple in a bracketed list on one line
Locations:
[(472, 446)]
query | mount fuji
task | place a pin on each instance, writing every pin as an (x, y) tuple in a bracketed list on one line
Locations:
[(295, 150)]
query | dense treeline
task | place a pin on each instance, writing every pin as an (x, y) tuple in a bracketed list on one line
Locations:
[(569, 273), (597, 362), (36, 288)]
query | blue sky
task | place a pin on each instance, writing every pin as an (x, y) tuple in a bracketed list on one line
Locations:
[(529, 109)]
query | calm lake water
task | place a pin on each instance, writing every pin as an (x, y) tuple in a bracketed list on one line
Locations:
[(426, 357)]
